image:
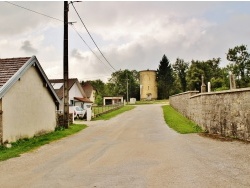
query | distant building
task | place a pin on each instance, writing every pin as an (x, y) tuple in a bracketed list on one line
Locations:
[(77, 97), (148, 85), (90, 91), (112, 100)]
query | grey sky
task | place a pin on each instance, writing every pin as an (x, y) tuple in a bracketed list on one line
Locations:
[(131, 35)]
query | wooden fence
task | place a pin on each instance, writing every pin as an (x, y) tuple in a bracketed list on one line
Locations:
[(99, 110)]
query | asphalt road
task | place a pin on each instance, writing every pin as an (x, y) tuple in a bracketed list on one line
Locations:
[(134, 149)]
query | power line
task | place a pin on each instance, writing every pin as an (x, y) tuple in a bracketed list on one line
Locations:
[(19, 6), (33, 11), (91, 36), (87, 44)]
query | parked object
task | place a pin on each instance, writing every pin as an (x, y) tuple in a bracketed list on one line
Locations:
[(78, 112)]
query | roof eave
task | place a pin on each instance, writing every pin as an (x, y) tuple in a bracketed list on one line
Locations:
[(32, 61)]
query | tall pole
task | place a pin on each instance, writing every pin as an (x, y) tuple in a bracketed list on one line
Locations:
[(66, 67), (127, 89)]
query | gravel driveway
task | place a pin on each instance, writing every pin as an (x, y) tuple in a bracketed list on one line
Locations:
[(134, 149)]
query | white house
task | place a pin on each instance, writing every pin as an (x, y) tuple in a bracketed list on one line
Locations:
[(90, 91), (77, 97), (28, 101)]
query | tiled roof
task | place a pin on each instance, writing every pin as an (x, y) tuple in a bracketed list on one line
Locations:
[(83, 99), (59, 91), (88, 88), (9, 66)]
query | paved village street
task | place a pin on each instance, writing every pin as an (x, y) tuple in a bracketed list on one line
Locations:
[(134, 149)]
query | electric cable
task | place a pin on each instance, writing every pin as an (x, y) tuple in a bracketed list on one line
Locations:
[(91, 36), (19, 6)]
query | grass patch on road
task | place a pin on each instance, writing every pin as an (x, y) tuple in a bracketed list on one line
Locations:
[(114, 113), (178, 122), (25, 145)]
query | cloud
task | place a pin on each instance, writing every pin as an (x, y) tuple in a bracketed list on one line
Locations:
[(27, 47), (131, 35)]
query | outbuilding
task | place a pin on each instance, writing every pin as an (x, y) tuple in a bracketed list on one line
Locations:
[(28, 101)]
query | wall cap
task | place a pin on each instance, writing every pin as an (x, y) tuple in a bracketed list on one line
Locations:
[(221, 92), (184, 93)]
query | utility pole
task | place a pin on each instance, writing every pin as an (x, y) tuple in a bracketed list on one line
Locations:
[(127, 89), (66, 67)]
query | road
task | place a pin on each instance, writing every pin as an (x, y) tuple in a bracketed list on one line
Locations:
[(134, 149)]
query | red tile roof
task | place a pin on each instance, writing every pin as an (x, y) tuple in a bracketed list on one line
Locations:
[(88, 88), (60, 91), (83, 99), (9, 66)]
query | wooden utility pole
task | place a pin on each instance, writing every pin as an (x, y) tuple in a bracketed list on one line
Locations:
[(66, 67), (127, 89)]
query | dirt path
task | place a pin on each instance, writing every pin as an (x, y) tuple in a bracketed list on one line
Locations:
[(135, 149)]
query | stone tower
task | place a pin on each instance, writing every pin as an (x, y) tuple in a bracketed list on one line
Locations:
[(148, 85)]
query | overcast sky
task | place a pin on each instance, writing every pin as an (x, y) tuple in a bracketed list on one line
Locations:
[(131, 35)]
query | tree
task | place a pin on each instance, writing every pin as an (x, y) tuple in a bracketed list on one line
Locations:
[(99, 85), (180, 67), (240, 66), (117, 84), (209, 69), (164, 77)]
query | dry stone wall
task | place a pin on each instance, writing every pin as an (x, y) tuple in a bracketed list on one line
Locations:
[(226, 113)]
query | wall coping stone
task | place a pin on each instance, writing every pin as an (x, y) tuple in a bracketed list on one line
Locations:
[(184, 93), (221, 92)]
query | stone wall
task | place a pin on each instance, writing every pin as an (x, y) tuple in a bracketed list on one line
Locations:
[(226, 112), (59, 119)]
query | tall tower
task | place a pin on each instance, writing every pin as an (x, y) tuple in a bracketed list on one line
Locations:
[(148, 85)]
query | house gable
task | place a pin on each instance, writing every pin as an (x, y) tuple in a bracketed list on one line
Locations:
[(12, 69), (28, 108)]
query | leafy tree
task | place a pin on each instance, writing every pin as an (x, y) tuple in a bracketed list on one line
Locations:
[(209, 69), (117, 84), (164, 78), (99, 85), (181, 67), (240, 65)]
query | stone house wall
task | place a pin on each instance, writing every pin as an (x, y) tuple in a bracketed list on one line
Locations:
[(226, 112)]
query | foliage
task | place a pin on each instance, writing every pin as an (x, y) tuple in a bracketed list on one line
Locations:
[(180, 67), (114, 113), (25, 145), (164, 78), (117, 85), (178, 122), (99, 85), (209, 69), (240, 66), (99, 100)]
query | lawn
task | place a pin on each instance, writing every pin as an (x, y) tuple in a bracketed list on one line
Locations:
[(114, 113), (178, 122), (26, 145)]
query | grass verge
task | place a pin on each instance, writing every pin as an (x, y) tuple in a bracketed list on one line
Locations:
[(178, 122), (165, 101), (25, 145), (114, 113)]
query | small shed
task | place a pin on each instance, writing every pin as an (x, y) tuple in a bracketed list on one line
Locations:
[(28, 101), (112, 100)]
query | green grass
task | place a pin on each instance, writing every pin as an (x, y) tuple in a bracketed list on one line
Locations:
[(25, 145), (151, 102), (114, 113), (178, 122)]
